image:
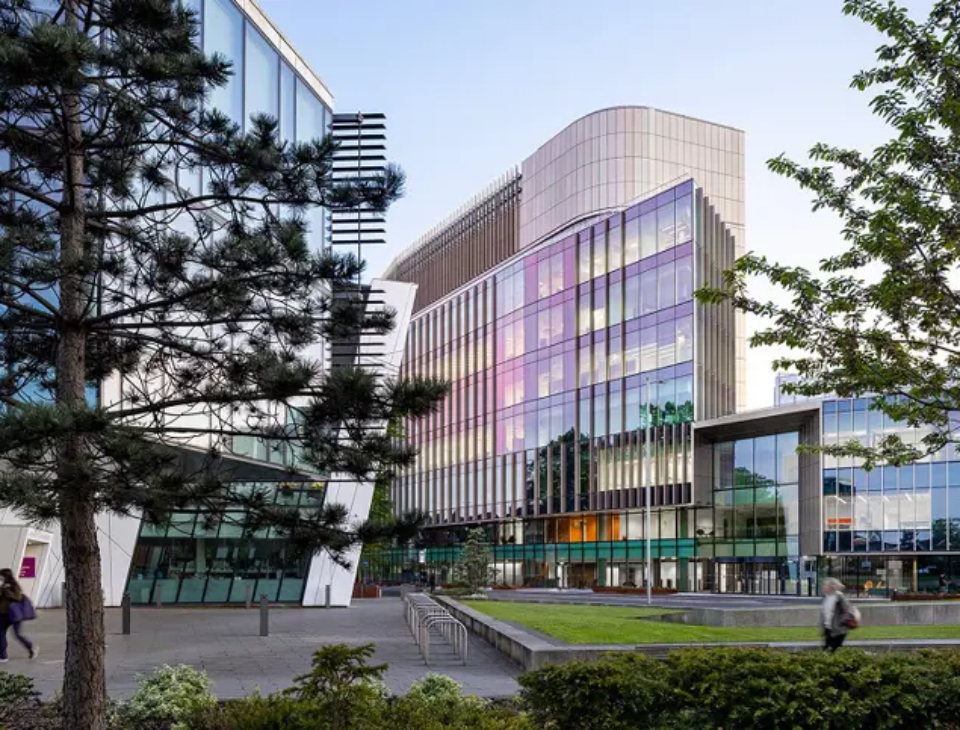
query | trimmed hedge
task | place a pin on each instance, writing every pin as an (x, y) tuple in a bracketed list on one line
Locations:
[(747, 688), (897, 596), (635, 591)]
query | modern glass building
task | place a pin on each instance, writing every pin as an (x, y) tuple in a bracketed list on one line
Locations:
[(193, 560), (579, 359), (559, 304), (893, 527)]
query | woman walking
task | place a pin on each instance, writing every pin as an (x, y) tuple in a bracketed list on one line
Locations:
[(838, 615), (12, 613)]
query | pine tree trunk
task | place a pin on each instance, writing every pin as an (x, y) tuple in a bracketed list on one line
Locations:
[(84, 678), (84, 683)]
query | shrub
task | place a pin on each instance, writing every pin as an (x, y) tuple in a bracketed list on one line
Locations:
[(276, 712), (16, 690), (345, 688), (618, 692), (755, 688), (17, 697), (176, 694), (437, 702)]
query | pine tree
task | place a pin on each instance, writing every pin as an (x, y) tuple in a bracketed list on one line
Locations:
[(473, 570), (151, 248)]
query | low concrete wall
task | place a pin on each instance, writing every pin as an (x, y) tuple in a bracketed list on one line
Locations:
[(527, 650), (873, 614)]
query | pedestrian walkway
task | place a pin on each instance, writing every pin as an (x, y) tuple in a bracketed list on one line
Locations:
[(226, 644)]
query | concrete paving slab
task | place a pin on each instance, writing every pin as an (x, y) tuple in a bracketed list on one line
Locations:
[(226, 644)]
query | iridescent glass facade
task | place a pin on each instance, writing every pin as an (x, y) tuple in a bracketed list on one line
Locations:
[(559, 361)]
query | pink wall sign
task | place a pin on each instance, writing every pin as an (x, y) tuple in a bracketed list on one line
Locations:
[(28, 568)]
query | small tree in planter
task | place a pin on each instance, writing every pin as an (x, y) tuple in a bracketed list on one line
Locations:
[(473, 570)]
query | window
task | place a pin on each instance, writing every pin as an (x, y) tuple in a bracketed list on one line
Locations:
[(666, 285), (223, 33), (615, 253), (614, 359), (288, 83), (684, 339), (631, 298), (684, 279), (584, 259), (648, 349), (600, 305), (666, 227), (311, 124), (600, 362), (543, 278), (684, 219), (311, 114), (666, 345), (648, 291), (615, 304), (260, 77), (631, 242), (648, 234), (631, 355), (599, 253), (586, 313)]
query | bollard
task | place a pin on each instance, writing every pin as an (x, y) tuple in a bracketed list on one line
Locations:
[(249, 596), (159, 596), (264, 616), (326, 599), (125, 613)]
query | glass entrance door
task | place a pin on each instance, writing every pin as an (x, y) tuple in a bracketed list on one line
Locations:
[(748, 578)]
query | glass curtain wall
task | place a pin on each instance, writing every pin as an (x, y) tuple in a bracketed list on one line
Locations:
[(191, 560), (185, 561), (558, 361), (756, 515), (549, 360), (901, 520)]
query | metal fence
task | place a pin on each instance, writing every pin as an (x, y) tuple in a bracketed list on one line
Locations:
[(427, 619)]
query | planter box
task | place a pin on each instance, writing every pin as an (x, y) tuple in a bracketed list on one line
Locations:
[(925, 597), (366, 591), (637, 591)]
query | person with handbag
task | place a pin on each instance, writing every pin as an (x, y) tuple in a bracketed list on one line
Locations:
[(838, 616), (15, 608)]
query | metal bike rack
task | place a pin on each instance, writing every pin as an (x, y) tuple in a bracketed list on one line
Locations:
[(425, 617)]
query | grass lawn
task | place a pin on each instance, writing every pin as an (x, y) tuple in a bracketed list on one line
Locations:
[(622, 625)]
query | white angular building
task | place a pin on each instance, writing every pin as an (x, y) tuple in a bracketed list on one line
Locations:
[(184, 562)]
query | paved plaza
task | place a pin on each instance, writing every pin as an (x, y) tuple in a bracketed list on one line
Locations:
[(226, 644)]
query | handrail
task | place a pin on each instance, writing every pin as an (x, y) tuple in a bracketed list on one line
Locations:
[(425, 616)]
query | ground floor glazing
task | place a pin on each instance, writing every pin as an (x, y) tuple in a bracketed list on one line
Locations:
[(753, 566), (191, 560)]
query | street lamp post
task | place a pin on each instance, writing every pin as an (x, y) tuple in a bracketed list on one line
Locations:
[(648, 480)]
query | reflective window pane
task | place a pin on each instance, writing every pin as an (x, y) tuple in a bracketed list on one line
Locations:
[(648, 234), (684, 279), (223, 34), (666, 227), (262, 93), (684, 219), (287, 103), (666, 285)]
